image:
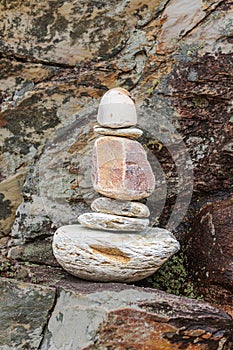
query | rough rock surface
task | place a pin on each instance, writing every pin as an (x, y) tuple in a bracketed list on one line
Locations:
[(95, 315), (185, 79), (105, 256), (121, 169), (112, 222), (10, 199), (211, 246), (126, 132), (24, 313), (38, 252), (111, 318), (125, 208), (57, 59)]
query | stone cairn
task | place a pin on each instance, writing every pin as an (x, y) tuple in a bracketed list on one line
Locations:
[(120, 168), (114, 242)]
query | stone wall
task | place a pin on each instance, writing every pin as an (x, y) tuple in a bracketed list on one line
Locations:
[(57, 58)]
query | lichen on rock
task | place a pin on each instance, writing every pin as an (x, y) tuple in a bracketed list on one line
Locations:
[(57, 59)]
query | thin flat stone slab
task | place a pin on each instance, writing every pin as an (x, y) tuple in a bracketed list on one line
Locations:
[(125, 208), (121, 169), (117, 109), (106, 256), (124, 132), (112, 222)]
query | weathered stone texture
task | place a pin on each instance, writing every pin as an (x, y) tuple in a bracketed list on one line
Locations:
[(194, 21), (121, 169), (126, 132), (65, 32), (210, 248), (100, 255), (112, 222), (24, 312), (57, 59), (125, 208), (10, 199), (138, 319), (95, 315), (38, 252)]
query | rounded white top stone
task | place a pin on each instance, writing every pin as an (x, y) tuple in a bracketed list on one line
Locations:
[(117, 109)]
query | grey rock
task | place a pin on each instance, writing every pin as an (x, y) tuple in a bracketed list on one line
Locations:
[(91, 319), (112, 222), (24, 311), (39, 251), (88, 315), (125, 208)]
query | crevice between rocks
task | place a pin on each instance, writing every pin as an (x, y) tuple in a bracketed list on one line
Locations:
[(22, 59), (49, 314)]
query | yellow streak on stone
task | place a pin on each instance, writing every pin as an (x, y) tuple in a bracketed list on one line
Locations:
[(111, 253), (11, 189)]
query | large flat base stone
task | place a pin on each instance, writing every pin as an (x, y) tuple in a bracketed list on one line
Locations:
[(106, 256)]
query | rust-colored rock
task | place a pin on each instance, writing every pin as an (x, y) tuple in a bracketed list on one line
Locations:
[(159, 327), (121, 169), (211, 245)]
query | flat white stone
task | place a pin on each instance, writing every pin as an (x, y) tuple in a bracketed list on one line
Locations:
[(124, 132), (117, 109), (112, 222), (106, 256), (125, 208)]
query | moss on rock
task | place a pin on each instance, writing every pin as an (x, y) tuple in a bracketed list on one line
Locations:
[(173, 277)]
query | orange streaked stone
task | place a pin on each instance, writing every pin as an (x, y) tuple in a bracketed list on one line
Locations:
[(121, 169)]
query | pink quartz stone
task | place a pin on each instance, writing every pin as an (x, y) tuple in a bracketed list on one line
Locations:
[(121, 169)]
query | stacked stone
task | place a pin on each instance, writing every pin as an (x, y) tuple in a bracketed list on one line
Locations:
[(121, 171), (123, 176)]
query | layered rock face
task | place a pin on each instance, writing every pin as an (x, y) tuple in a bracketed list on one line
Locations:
[(57, 59), (89, 315)]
